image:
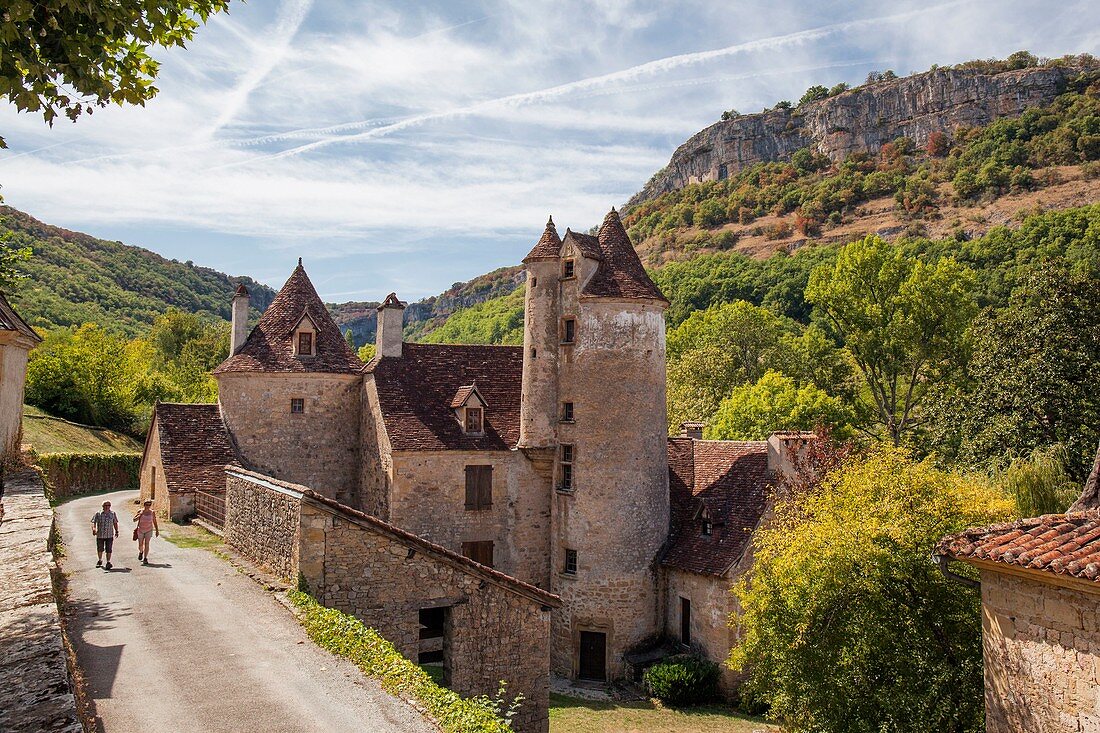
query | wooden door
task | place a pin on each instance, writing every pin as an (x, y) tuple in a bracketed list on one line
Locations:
[(593, 656)]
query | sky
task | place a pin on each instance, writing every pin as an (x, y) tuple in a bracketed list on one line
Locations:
[(404, 147)]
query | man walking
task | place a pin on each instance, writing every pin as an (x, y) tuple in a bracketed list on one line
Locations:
[(105, 529)]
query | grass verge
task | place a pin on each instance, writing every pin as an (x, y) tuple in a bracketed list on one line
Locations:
[(574, 715), (348, 637), (203, 541)]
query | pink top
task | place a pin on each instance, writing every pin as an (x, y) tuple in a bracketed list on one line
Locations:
[(145, 520)]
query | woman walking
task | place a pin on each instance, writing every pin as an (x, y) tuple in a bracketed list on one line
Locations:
[(146, 525)]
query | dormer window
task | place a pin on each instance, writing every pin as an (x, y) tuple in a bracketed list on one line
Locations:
[(304, 339), (568, 269), (702, 515), (474, 420), (469, 407), (305, 343)]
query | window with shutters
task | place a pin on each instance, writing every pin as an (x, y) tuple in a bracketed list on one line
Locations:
[(480, 551), (474, 420), (305, 343), (479, 487), (566, 456), (570, 562)]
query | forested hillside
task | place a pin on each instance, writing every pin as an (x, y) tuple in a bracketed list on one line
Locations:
[(73, 278)]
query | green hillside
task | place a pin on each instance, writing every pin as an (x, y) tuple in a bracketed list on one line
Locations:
[(49, 434), (73, 278)]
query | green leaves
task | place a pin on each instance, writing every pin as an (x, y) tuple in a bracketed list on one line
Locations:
[(776, 403), (70, 56)]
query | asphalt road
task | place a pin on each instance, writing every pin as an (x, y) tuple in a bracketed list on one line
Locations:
[(190, 644)]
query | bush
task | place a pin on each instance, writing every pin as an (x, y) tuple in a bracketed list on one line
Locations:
[(75, 474), (683, 681)]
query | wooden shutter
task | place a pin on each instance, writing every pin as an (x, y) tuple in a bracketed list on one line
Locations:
[(481, 552), (479, 487)]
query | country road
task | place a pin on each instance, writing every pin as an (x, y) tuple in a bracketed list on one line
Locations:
[(188, 643)]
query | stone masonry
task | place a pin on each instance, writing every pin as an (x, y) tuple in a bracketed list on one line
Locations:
[(1041, 646), (496, 628), (35, 691)]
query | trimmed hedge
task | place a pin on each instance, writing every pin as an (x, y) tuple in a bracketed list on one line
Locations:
[(348, 637), (74, 474), (683, 680)]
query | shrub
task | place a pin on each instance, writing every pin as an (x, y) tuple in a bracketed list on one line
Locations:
[(937, 144), (813, 94), (682, 681)]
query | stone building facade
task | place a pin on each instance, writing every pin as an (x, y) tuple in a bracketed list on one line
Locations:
[(1040, 586), (549, 463), (481, 625), (17, 338)]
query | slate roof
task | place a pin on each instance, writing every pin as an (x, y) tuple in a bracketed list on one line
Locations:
[(1063, 544), (415, 393), (11, 321), (194, 446), (586, 243), (270, 347), (549, 244), (620, 273), (728, 478)]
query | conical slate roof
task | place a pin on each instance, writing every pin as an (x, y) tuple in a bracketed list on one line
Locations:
[(270, 347), (549, 244), (620, 273)]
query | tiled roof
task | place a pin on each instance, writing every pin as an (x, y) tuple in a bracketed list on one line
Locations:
[(1063, 544), (463, 394), (416, 390), (620, 273), (10, 321), (549, 244), (586, 243), (270, 347), (194, 446), (727, 478)]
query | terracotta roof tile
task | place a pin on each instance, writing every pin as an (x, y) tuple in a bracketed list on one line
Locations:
[(270, 347), (463, 395), (416, 391), (549, 244), (727, 478), (1064, 544), (586, 243), (11, 321), (194, 446), (620, 273)]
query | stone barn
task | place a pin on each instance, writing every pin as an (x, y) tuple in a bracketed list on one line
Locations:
[(17, 338)]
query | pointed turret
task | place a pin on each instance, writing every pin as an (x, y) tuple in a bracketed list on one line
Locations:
[(549, 244), (621, 273)]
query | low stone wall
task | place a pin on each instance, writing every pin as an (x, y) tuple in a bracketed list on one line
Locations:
[(262, 522), (35, 689), (77, 474), (1041, 645), (496, 627)]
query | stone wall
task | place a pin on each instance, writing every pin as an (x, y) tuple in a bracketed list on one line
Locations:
[(154, 486), (317, 448), (262, 522), (428, 498), (13, 372), (35, 690), (376, 466), (1041, 645), (711, 606), (497, 627)]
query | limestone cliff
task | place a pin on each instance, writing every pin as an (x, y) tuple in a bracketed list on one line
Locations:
[(860, 120)]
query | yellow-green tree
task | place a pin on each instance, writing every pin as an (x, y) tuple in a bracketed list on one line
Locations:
[(776, 402), (846, 624)]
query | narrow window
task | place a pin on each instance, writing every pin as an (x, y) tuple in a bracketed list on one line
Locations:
[(685, 621), (297, 405), (568, 269), (534, 352), (479, 487), (153, 485), (534, 282), (567, 467), (569, 330), (707, 526), (570, 562), (480, 552), (305, 343), (473, 420), (567, 412)]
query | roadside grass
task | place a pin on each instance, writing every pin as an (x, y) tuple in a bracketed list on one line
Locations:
[(48, 434), (200, 540), (575, 715)]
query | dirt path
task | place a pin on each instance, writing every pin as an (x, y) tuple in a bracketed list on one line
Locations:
[(189, 643)]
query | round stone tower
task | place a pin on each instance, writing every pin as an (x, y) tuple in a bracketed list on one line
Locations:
[(539, 403), (610, 503)]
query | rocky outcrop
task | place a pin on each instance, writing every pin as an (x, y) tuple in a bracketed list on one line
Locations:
[(860, 120)]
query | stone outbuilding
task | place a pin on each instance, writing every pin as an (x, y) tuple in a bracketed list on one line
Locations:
[(1040, 587), (186, 451), (17, 338)]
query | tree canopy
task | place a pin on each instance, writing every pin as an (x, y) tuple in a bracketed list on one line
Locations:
[(70, 56), (776, 403)]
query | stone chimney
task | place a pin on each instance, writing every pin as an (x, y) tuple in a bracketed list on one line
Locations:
[(692, 430), (240, 320), (784, 449), (391, 318)]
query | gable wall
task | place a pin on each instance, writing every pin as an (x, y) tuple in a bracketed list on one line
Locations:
[(13, 374), (428, 498), (162, 501), (376, 466), (1041, 648), (319, 448)]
